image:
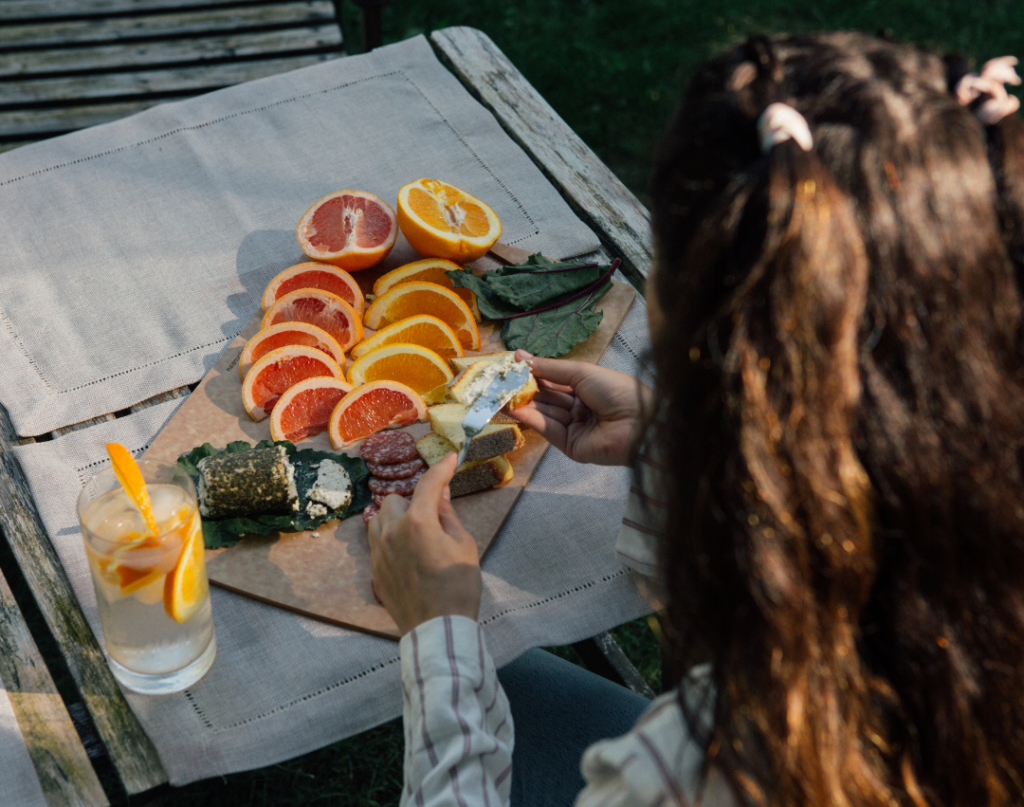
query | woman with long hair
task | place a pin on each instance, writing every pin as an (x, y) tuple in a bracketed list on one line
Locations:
[(832, 454)]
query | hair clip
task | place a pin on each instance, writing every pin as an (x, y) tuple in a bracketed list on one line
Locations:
[(779, 123), (994, 75)]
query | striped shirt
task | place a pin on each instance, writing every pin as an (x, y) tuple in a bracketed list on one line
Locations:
[(459, 734)]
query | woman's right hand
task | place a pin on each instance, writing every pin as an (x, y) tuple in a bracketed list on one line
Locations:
[(589, 413)]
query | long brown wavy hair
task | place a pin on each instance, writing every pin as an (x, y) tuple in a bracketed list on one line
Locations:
[(841, 423)]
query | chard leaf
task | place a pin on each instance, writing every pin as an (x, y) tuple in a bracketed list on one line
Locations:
[(527, 290), (219, 533), (490, 304), (555, 332)]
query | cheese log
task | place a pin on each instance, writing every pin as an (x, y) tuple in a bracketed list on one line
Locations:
[(495, 439), (471, 476), (246, 483)]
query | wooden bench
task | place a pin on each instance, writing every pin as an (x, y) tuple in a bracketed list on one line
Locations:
[(68, 64)]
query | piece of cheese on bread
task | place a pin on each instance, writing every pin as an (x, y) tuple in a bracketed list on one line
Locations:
[(471, 367), (471, 476), (496, 438)]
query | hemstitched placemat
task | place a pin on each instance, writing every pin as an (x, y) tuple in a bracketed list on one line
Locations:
[(283, 685), (134, 252)]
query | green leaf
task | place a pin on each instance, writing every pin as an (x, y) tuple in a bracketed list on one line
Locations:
[(490, 304), (554, 333), (219, 533), (527, 290)]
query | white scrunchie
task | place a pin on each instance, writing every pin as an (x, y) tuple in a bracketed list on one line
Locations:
[(994, 75), (779, 123)]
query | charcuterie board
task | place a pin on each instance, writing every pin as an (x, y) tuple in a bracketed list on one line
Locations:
[(325, 573)]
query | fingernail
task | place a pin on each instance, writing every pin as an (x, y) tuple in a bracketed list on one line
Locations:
[(522, 354)]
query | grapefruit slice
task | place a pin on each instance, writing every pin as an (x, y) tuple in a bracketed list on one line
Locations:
[(418, 297), (272, 376), (312, 275), (305, 409), (128, 473), (288, 333), (442, 221), (421, 329), (430, 270), (351, 229), (320, 308), (413, 365), (185, 588), (372, 407)]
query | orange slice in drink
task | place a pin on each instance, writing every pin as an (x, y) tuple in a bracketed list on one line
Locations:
[(128, 473), (421, 329), (351, 229), (312, 275), (305, 409), (288, 333), (431, 270), (417, 297), (441, 221), (272, 376), (415, 366), (185, 588), (372, 407), (320, 308)]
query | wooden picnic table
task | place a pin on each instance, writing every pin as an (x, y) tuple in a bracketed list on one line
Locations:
[(594, 193)]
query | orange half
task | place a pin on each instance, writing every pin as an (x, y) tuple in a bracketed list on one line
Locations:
[(351, 229), (409, 299), (442, 221)]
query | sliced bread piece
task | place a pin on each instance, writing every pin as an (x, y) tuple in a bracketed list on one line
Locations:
[(496, 438), (471, 476), (465, 387), (460, 363)]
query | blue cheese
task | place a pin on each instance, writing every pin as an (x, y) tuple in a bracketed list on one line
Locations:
[(332, 489)]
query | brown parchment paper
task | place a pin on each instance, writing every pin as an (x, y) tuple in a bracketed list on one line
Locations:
[(326, 574)]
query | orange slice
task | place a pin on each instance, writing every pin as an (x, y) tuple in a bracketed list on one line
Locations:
[(186, 589), (128, 473), (417, 297), (413, 365), (441, 221), (351, 229), (421, 329), (312, 275), (288, 333), (372, 407), (305, 409), (321, 308), (272, 376), (430, 270)]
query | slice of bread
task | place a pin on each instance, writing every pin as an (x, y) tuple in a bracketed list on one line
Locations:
[(471, 476), (496, 438), (470, 368)]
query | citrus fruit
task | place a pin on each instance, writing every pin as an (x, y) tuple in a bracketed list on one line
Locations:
[(421, 329), (351, 229), (431, 270), (270, 377), (128, 473), (441, 221), (417, 297), (321, 308), (413, 365), (288, 333), (185, 587), (312, 275), (372, 407), (305, 409)]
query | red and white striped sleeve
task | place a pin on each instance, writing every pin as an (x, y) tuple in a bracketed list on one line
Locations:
[(458, 725)]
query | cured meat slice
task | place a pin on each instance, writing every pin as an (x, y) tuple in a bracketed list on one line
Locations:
[(403, 487), (386, 448), (378, 498), (370, 513), (396, 470)]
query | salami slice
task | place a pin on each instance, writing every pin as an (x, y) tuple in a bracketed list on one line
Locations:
[(396, 470), (403, 487), (378, 498), (370, 513), (386, 448)]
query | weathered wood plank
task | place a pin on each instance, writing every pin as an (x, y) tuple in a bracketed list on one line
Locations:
[(41, 9), (108, 86), (198, 22), (14, 145), (594, 192), (131, 57), (127, 745), (34, 124), (163, 397), (85, 424), (62, 765)]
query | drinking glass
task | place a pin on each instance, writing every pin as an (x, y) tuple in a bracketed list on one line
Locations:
[(152, 590)]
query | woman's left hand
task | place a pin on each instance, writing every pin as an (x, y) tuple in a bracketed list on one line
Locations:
[(424, 562)]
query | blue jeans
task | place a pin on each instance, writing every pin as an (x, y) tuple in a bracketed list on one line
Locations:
[(558, 710)]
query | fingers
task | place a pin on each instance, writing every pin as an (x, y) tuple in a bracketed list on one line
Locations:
[(557, 371), (450, 523), (559, 399), (430, 489)]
